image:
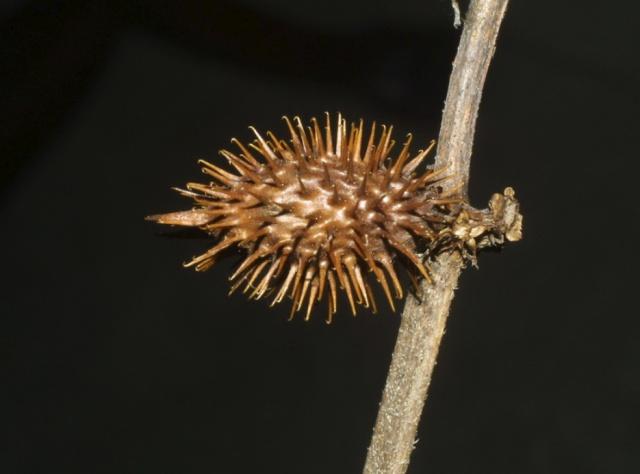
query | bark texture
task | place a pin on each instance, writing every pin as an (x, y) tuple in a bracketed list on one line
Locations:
[(423, 320)]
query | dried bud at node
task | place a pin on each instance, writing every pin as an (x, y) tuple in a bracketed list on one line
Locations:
[(330, 210)]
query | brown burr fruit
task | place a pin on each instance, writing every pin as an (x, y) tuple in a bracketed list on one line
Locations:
[(329, 210)]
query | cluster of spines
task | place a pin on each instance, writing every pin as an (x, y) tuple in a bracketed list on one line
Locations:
[(300, 209)]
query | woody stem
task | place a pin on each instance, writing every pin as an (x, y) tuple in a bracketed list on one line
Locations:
[(423, 321)]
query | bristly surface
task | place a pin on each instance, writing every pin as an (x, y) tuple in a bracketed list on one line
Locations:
[(327, 210)]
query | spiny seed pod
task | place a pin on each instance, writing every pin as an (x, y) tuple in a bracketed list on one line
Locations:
[(322, 211)]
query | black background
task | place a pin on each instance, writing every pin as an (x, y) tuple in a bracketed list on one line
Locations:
[(120, 361)]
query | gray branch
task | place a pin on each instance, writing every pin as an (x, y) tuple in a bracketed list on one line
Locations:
[(423, 322)]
